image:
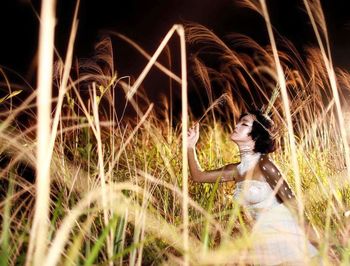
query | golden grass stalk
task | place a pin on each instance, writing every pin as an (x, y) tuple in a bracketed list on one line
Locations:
[(180, 30), (155, 224), (282, 84), (131, 136), (316, 17), (146, 55), (101, 170), (62, 234), (151, 62), (224, 97), (39, 230), (65, 78)]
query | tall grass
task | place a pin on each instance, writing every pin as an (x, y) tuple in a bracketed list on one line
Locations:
[(39, 231), (117, 191)]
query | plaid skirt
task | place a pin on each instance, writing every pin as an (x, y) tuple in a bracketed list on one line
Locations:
[(277, 239)]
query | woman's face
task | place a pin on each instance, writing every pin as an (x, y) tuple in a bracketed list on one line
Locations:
[(242, 129)]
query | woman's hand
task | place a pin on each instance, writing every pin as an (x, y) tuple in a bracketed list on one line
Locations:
[(192, 136)]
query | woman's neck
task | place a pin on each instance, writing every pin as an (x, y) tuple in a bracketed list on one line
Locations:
[(246, 148), (249, 157)]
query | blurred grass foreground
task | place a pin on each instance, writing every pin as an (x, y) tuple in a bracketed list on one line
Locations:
[(82, 184)]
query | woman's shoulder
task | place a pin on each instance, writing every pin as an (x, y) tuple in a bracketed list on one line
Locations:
[(267, 165), (274, 177)]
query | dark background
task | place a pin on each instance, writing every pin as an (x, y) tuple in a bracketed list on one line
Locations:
[(147, 22)]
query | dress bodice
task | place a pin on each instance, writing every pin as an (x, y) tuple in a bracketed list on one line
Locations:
[(255, 195)]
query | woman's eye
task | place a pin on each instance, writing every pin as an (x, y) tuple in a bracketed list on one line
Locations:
[(245, 125)]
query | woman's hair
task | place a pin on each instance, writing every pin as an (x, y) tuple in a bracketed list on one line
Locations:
[(262, 132)]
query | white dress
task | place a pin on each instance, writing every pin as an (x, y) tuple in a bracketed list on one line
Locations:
[(276, 236)]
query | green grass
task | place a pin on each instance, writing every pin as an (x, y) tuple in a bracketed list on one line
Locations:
[(212, 226)]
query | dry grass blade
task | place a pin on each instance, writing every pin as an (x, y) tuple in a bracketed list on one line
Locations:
[(184, 118), (315, 13), (39, 230), (151, 62), (285, 99), (145, 54)]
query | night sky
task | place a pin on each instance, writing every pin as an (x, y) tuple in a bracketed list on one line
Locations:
[(147, 22)]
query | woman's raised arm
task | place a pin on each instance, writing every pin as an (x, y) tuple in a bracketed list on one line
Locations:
[(224, 174)]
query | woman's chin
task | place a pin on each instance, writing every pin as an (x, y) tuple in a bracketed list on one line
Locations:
[(233, 139)]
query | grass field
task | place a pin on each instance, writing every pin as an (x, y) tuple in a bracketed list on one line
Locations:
[(86, 186)]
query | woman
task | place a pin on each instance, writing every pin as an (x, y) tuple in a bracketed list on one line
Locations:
[(261, 189)]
